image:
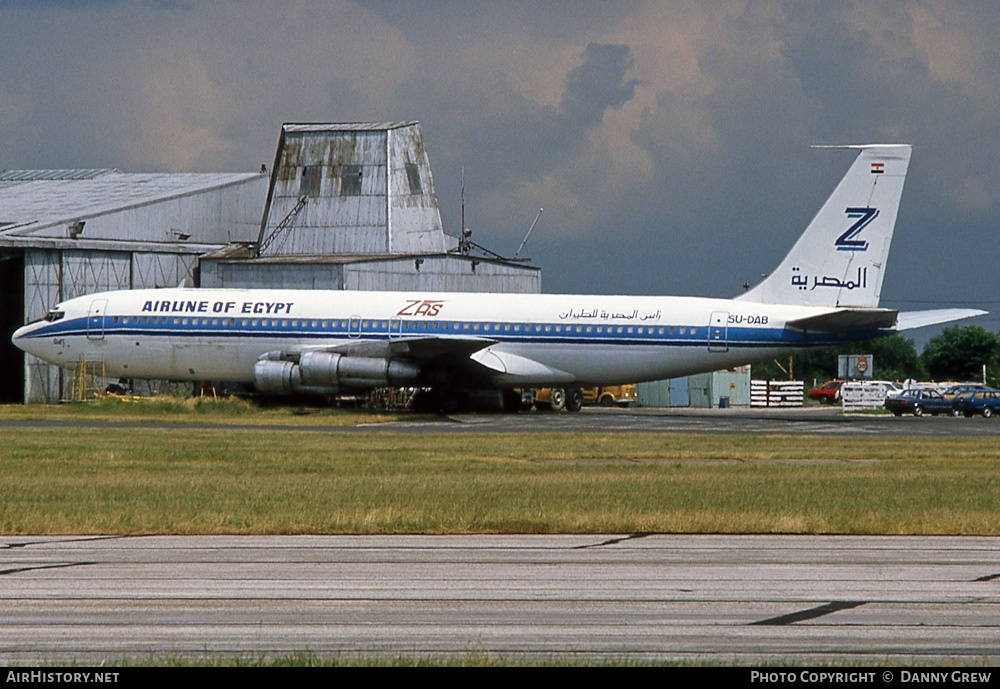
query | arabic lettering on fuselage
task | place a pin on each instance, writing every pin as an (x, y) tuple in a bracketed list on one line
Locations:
[(610, 316), (205, 306), (802, 281)]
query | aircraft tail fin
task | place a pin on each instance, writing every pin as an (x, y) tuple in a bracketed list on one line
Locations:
[(839, 261)]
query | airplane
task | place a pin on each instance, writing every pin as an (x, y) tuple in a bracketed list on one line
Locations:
[(463, 347)]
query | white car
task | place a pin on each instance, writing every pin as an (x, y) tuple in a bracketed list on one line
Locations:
[(890, 387)]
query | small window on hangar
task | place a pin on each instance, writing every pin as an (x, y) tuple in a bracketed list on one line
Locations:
[(413, 175), (350, 180), (312, 176)]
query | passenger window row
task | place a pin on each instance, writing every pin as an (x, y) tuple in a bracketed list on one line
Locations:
[(395, 326)]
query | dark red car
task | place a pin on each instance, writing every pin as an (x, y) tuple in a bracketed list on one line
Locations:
[(826, 393)]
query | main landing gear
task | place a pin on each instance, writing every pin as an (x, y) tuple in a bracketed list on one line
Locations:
[(561, 399), (456, 400), (574, 399)]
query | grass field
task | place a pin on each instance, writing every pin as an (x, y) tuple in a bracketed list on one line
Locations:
[(239, 479)]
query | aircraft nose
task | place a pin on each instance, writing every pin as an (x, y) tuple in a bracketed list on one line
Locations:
[(22, 339), (18, 337)]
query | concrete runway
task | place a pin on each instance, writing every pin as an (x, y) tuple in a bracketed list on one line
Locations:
[(730, 599)]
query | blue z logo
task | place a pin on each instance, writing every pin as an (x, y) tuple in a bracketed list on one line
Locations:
[(848, 241)]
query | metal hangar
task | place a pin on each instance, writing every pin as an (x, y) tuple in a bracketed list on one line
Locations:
[(352, 206), (64, 233), (345, 206)]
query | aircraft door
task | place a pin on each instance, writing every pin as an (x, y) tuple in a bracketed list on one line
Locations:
[(718, 332), (354, 327), (395, 327), (95, 319)]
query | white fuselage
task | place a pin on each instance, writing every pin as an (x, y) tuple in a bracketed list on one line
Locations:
[(219, 335)]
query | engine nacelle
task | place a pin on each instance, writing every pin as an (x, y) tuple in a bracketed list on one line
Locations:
[(329, 372), (276, 377)]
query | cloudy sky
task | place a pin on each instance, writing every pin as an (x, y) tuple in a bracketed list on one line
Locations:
[(669, 142)]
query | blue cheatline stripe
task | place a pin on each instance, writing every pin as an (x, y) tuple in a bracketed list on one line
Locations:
[(738, 337)]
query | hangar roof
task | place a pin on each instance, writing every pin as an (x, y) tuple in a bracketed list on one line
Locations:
[(36, 206), (313, 127), (38, 175)]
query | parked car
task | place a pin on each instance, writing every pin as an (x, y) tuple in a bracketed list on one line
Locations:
[(953, 391), (827, 392), (971, 402), (890, 387), (918, 401)]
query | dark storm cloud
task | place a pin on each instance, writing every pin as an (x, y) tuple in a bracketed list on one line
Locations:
[(597, 84), (543, 139), (516, 142)]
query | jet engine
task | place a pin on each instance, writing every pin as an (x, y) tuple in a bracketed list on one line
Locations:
[(328, 372)]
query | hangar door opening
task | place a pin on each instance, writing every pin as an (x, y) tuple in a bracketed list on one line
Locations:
[(11, 318)]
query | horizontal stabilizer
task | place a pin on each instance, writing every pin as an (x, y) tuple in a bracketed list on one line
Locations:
[(845, 320), (919, 319)]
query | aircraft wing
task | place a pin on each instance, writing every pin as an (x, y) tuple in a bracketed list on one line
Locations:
[(918, 319), (423, 348), (470, 353), (416, 348), (461, 351), (513, 367)]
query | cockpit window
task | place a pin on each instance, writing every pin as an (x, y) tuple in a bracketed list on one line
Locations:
[(54, 315)]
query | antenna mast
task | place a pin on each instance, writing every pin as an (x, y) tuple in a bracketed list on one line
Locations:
[(464, 245), (525, 240)]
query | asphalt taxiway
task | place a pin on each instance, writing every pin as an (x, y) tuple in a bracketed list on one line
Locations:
[(813, 420), (729, 599), (810, 420)]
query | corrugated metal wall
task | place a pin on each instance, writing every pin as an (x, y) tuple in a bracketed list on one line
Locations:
[(163, 270), (42, 281), (51, 276), (442, 273), (702, 390), (414, 217), (216, 216), (361, 198), (169, 214), (250, 275)]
